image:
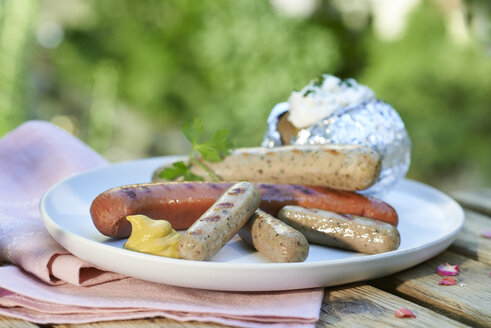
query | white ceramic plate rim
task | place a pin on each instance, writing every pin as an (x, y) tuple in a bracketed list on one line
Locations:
[(68, 239)]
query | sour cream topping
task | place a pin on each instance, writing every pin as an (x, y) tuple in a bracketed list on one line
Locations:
[(320, 98)]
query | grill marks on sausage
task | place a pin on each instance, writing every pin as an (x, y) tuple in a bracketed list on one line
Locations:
[(214, 218), (224, 205), (270, 187), (130, 193), (236, 191), (214, 186), (302, 189), (189, 186), (196, 232)]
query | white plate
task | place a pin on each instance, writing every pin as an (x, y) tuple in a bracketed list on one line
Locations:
[(429, 221)]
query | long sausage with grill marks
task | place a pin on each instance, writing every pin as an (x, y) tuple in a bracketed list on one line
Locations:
[(182, 203)]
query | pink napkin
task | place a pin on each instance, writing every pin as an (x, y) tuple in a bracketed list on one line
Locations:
[(46, 284)]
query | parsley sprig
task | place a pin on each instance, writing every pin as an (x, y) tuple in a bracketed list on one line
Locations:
[(212, 150)]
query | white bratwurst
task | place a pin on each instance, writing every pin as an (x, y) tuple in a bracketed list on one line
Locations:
[(273, 238), (349, 232), (344, 167), (220, 222)]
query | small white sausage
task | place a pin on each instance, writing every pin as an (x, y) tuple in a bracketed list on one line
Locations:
[(274, 239), (220, 222), (349, 232)]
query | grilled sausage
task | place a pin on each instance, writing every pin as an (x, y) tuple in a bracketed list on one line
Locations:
[(349, 232), (219, 223), (274, 239), (343, 167), (182, 203)]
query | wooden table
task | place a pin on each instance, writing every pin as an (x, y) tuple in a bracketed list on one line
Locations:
[(372, 303)]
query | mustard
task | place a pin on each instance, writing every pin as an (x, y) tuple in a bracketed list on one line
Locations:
[(152, 236)]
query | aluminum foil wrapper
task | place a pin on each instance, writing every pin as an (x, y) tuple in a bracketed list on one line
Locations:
[(374, 124)]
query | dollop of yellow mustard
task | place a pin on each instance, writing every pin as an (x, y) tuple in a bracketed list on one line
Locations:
[(152, 236)]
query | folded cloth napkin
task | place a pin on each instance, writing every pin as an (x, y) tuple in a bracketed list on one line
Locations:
[(46, 284)]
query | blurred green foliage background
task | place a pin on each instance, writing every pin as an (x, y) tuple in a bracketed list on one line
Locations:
[(124, 75)]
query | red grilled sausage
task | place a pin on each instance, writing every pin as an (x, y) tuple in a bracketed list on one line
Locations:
[(182, 203)]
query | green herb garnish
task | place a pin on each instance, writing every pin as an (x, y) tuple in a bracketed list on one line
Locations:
[(347, 82), (212, 150), (309, 91), (317, 82)]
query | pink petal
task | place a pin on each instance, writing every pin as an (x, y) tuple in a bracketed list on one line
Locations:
[(486, 234), (446, 269), (404, 313), (448, 281)]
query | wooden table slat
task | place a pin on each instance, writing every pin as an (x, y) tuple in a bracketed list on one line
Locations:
[(366, 306), (469, 241), (15, 323), (469, 301), (478, 200)]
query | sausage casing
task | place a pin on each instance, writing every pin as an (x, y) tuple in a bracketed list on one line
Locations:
[(219, 223), (343, 167), (182, 203), (274, 239), (349, 232)]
